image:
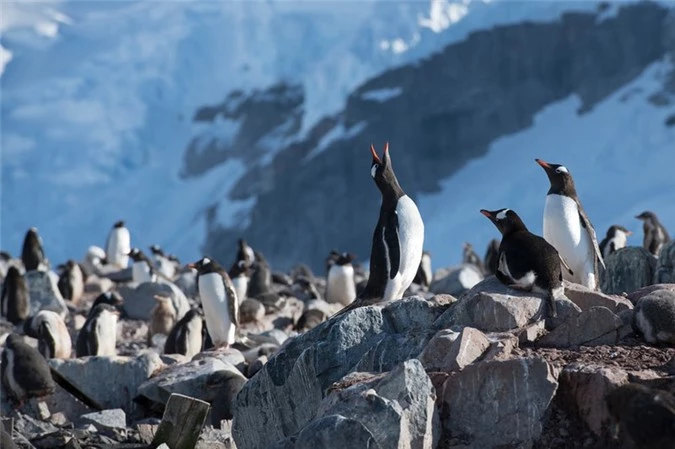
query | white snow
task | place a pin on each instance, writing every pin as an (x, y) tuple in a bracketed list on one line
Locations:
[(620, 155), (337, 133), (383, 94)]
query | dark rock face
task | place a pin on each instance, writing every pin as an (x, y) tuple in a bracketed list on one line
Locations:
[(443, 112)]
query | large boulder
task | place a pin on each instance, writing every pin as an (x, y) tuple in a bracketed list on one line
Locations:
[(139, 301), (44, 293), (452, 351), (586, 298), (287, 392), (628, 269), (456, 280), (655, 317), (665, 267), (597, 326)]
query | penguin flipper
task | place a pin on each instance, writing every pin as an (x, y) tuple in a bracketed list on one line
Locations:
[(565, 265), (392, 245), (233, 302), (586, 223)]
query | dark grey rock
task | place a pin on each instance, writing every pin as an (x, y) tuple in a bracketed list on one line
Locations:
[(628, 269), (655, 317), (665, 266), (44, 293), (586, 298), (106, 419), (596, 326)]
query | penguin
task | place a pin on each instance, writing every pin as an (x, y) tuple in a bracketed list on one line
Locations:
[(568, 229), (526, 261), (94, 260), (187, 335), (32, 253), (646, 415), (616, 238), (655, 234), (491, 257), (219, 300), (162, 263), (308, 288), (330, 260), (15, 300), (260, 282), (25, 373), (54, 340), (113, 299), (245, 254), (71, 282), (424, 274), (398, 238), (98, 336), (469, 256), (162, 317), (240, 275), (5, 263), (340, 286), (142, 270), (118, 246)]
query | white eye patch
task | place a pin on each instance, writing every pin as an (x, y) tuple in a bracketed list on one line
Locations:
[(502, 215), (373, 170), (561, 169), (206, 260)]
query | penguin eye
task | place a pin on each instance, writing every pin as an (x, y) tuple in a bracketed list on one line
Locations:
[(561, 169), (373, 169)]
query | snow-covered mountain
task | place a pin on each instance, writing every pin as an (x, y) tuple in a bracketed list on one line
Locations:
[(199, 122)]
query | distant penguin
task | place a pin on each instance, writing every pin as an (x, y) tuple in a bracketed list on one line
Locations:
[(526, 261), (98, 336), (5, 263), (398, 239), (655, 234), (492, 257), (568, 229), (219, 301), (469, 256), (162, 263), (54, 340), (113, 299), (424, 274), (616, 238), (71, 282), (32, 253), (94, 260), (25, 373), (340, 286), (118, 246), (330, 260), (308, 288), (240, 275), (245, 254), (260, 281), (143, 269), (187, 335), (162, 317), (15, 299)]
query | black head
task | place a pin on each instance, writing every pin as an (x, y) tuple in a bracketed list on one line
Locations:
[(112, 298), (205, 265), (383, 173), (240, 268), (13, 273), (119, 224), (137, 255), (612, 231), (104, 307), (344, 259), (13, 340), (559, 177), (646, 215), (506, 220), (4, 255), (174, 258), (156, 250), (32, 236)]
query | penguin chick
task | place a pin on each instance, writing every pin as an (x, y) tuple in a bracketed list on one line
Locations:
[(340, 286), (98, 336), (32, 253), (655, 234), (118, 246), (25, 373), (94, 260), (162, 317), (469, 256), (15, 300), (492, 257), (71, 282), (219, 300), (142, 270), (54, 340), (424, 274), (186, 336), (646, 415), (616, 238), (398, 239), (526, 261)]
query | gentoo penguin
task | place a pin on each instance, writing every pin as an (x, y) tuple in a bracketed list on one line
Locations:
[(644, 414), (616, 238), (398, 238), (71, 281), (15, 300), (261, 277), (187, 335), (98, 336), (240, 275), (54, 340), (219, 300), (469, 256), (142, 270), (526, 261), (340, 286), (655, 234), (424, 274), (568, 229), (94, 259), (491, 257), (25, 373), (113, 299), (162, 262), (118, 246), (330, 260), (32, 253), (162, 317)]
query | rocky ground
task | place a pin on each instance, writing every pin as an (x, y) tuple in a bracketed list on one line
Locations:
[(466, 364)]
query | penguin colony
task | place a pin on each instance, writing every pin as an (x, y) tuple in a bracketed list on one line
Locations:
[(226, 298)]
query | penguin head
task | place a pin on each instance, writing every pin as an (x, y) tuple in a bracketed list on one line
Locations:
[(174, 258), (506, 220), (646, 215), (240, 268), (382, 171), (104, 308), (136, 255), (559, 177), (204, 265), (344, 259), (156, 250), (615, 229), (119, 224)]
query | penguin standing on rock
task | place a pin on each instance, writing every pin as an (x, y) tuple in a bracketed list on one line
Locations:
[(98, 336), (616, 238), (118, 246), (568, 229), (25, 373), (113, 299), (655, 234), (219, 300), (340, 286), (32, 253), (424, 274), (187, 335), (398, 239), (142, 270), (469, 256), (71, 281), (526, 261), (52, 334), (15, 301)]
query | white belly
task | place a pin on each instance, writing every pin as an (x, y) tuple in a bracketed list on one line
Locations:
[(58, 330), (119, 244), (194, 337), (340, 287), (563, 230), (216, 310), (524, 282), (140, 272), (241, 287), (106, 330)]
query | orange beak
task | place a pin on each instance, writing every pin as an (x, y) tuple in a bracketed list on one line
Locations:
[(191, 265), (486, 213), (543, 163), (374, 153)]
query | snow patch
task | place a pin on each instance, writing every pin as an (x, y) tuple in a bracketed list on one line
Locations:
[(337, 133), (383, 94)]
